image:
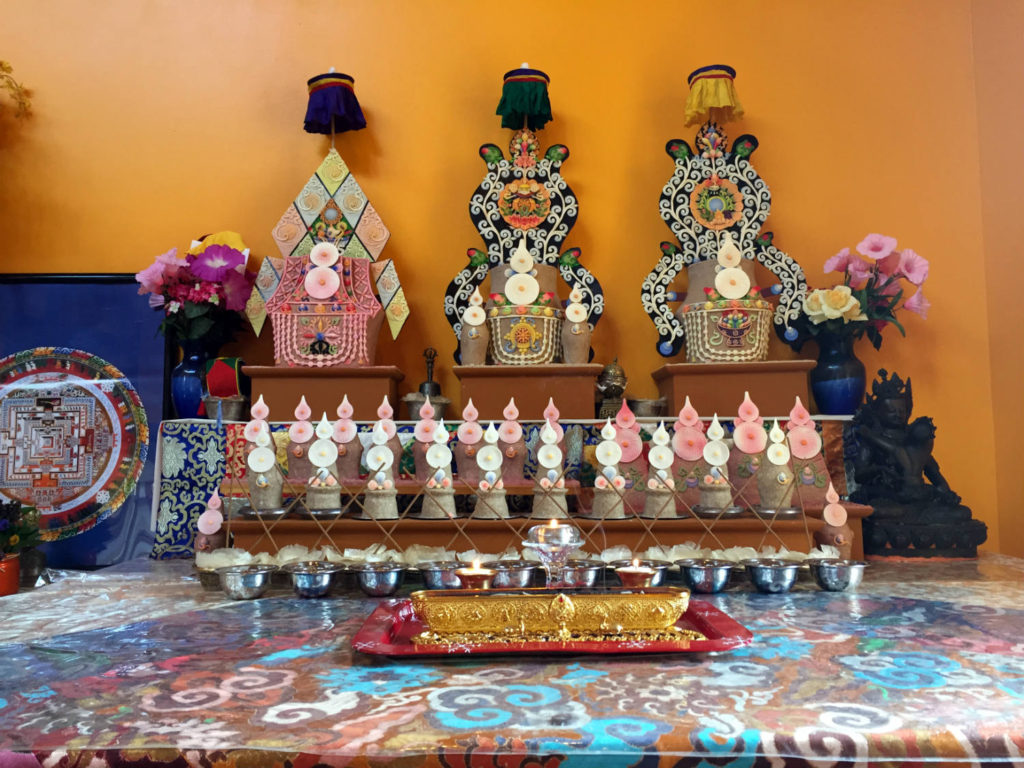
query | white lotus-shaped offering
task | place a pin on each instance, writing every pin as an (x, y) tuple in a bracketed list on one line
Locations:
[(488, 458), (379, 458), (439, 456), (324, 428), (778, 452), (715, 429), (261, 460), (323, 452)]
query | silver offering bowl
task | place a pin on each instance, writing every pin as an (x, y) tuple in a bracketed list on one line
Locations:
[(705, 576), (380, 579), (660, 568), (245, 582), (438, 574), (772, 576), (554, 544), (580, 574), (835, 575), (511, 574), (313, 578)]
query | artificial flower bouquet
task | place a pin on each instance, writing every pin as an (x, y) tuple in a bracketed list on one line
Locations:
[(875, 284), (202, 294), (19, 528)]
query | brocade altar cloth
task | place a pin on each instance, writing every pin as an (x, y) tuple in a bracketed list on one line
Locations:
[(137, 666)]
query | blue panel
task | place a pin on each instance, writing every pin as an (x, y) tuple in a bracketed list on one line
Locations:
[(111, 321)]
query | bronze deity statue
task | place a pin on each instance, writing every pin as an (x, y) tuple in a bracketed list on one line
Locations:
[(894, 471)]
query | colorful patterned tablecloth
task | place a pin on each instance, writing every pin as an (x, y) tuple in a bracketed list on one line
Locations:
[(137, 666)]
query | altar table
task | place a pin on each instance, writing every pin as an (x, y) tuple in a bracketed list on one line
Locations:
[(138, 666)]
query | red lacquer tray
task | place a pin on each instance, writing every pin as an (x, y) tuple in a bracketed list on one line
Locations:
[(390, 628)]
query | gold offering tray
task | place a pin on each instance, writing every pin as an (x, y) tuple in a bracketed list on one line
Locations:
[(544, 615)]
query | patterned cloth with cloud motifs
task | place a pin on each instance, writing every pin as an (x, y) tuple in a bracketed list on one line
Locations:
[(138, 666)]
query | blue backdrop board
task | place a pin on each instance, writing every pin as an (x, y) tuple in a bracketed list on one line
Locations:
[(104, 316)]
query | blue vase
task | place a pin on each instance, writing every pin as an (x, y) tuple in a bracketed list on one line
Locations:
[(838, 380), (188, 379)]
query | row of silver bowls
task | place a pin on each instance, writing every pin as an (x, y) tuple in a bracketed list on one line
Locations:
[(771, 576), (702, 576)]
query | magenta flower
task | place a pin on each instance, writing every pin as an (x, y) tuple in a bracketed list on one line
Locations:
[(913, 266), (237, 290), (151, 279), (839, 262), (876, 247), (918, 303), (215, 262)]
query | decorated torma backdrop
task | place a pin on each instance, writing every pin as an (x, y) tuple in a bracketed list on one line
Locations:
[(872, 117)]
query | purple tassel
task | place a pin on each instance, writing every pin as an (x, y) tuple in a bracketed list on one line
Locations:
[(333, 106)]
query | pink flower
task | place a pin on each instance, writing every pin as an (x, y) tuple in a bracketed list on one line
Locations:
[(890, 265), (215, 262), (859, 270), (171, 262), (918, 303), (237, 290), (876, 246), (151, 279), (913, 266), (839, 262)]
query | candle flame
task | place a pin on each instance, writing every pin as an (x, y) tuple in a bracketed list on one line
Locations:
[(553, 523), (636, 562), (476, 564)]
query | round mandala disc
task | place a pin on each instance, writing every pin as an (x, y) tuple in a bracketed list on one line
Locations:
[(73, 437)]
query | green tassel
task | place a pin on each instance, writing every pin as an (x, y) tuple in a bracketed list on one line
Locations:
[(524, 100)]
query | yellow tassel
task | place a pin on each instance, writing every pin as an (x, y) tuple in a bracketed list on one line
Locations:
[(712, 95)]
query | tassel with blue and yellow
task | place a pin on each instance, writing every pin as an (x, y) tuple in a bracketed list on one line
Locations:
[(712, 95)]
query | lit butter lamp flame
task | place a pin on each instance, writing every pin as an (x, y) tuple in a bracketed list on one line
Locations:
[(635, 575), (475, 577)]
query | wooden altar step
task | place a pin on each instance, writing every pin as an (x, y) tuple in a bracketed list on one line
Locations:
[(719, 387), (282, 386)]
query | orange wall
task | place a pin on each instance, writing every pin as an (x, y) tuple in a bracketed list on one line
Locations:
[(999, 61), (175, 118)]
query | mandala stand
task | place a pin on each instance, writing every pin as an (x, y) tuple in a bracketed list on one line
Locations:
[(366, 386), (521, 338), (330, 293), (771, 382), (489, 386), (716, 204)]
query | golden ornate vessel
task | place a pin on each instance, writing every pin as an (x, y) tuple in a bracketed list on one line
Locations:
[(540, 615)]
